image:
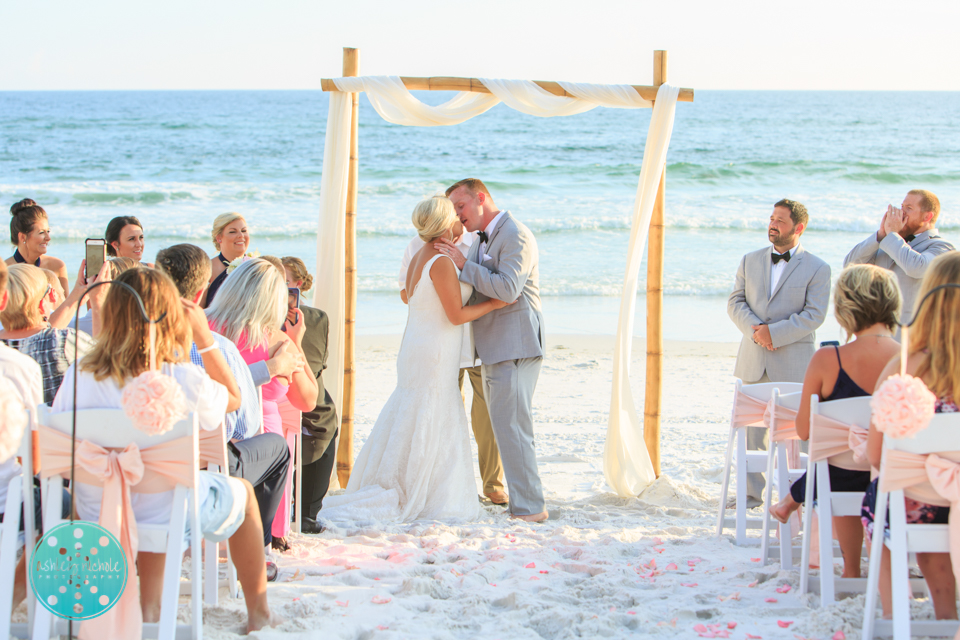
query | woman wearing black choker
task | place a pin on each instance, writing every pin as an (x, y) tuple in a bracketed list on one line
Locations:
[(30, 234), (231, 238)]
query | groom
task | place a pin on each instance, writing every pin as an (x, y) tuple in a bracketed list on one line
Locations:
[(504, 264)]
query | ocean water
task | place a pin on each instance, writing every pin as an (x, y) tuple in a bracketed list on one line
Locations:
[(177, 159)]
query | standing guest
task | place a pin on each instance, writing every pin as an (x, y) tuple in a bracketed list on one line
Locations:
[(30, 233), (505, 265), (228, 509), (906, 242), (262, 459), (866, 300), (779, 300), (25, 327), (933, 355), (491, 466), (250, 311), (318, 448), (231, 238), (124, 238)]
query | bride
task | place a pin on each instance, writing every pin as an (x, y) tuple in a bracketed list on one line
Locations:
[(416, 464)]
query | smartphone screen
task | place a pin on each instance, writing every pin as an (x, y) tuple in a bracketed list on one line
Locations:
[(96, 254), (293, 302)]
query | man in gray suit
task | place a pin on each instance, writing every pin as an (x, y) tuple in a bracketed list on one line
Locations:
[(504, 264), (906, 243), (779, 300)]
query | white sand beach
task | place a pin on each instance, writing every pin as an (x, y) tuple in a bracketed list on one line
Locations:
[(602, 566)]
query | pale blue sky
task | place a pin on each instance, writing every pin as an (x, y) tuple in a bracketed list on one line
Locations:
[(291, 44)]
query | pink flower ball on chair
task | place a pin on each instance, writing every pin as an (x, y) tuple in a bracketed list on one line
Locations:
[(154, 402), (13, 420), (902, 406)]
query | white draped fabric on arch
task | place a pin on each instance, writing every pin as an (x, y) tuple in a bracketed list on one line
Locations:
[(626, 462)]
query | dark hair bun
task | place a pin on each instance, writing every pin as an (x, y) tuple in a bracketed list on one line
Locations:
[(17, 207)]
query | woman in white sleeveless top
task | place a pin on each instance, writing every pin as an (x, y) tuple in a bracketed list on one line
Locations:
[(417, 464)]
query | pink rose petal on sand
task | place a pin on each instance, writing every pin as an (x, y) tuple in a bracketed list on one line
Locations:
[(342, 604), (754, 559), (700, 628), (750, 636), (839, 635), (784, 589), (753, 584), (657, 540), (731, 625), (379, 600), (542, 571), (671, 567), (382, 628), (688, 584), (769, 599), (532, 565), (783, 624), (631, 613)]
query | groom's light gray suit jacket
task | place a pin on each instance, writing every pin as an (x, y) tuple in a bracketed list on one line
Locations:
[(509, 270), (794, 311)]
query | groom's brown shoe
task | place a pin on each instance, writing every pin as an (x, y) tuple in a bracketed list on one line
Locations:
[(534, 517), (498, 498)]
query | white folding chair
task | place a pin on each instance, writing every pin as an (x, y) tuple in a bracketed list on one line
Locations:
[(291, 419), (213, 452), (783, 436), (19, 488), (749, 404), (111, 429), (941, 437), (829, 445)]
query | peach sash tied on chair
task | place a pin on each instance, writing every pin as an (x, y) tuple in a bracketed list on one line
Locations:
[(152, 470), (785, 429), (844, 445), (212, 448), (748, 411)]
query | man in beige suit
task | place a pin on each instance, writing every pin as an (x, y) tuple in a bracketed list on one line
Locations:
[(779, 300)]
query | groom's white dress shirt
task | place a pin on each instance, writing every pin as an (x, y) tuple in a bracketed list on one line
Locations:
[(776, 270), (466, 241)]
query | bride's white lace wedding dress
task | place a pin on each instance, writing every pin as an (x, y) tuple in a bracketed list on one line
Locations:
[(417, 463)]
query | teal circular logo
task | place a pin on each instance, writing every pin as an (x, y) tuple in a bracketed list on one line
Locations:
[(78, 570)]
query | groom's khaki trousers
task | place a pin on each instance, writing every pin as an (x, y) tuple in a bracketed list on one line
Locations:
[(491, 469)]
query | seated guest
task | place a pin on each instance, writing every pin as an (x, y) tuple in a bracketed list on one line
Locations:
[(934, 357), (124, 238), (66, 313), (25, 327), (228, 509), (231, 238), (30, 233), (866, 301), (250, 310), (318, 449), (262, 460), (57, 296)]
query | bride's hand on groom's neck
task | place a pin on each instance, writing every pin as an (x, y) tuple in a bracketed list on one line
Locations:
[(449, 249)]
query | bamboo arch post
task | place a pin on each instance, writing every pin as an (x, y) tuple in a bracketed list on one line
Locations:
[(351, 67), (653, 394)]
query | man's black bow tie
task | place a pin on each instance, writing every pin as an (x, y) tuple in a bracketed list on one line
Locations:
[(482, 235), (909, 239), (777, 257)]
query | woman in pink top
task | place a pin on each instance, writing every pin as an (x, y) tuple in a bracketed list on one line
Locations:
[(250, 310)]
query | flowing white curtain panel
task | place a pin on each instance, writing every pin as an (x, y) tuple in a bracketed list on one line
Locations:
[(627, 464)]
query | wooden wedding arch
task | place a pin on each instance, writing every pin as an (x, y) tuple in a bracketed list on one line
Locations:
[(654, 290)]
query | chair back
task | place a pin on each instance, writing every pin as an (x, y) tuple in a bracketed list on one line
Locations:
[(904, 459), (763, 390), (213, 446), (790, 400), (941, 435), (750, 401), (831, 424), (111, 428)]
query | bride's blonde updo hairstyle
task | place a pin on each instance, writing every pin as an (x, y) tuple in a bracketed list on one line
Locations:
[(432, 216)]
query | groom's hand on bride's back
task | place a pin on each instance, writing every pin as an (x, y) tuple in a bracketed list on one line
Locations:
[(449, 249)]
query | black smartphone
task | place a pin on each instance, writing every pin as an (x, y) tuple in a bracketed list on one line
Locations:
[(96, 254), (293, 302), (830, 343)]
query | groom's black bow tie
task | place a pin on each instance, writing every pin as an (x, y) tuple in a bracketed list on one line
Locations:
[(482, 235), (909, 239), (777, 257)]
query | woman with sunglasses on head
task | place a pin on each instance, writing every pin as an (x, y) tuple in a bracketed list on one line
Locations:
[(30, 234), (228, 508), (124, 238), (26, 329)]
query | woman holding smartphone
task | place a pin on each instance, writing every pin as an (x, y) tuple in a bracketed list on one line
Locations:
[(30, 234)]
